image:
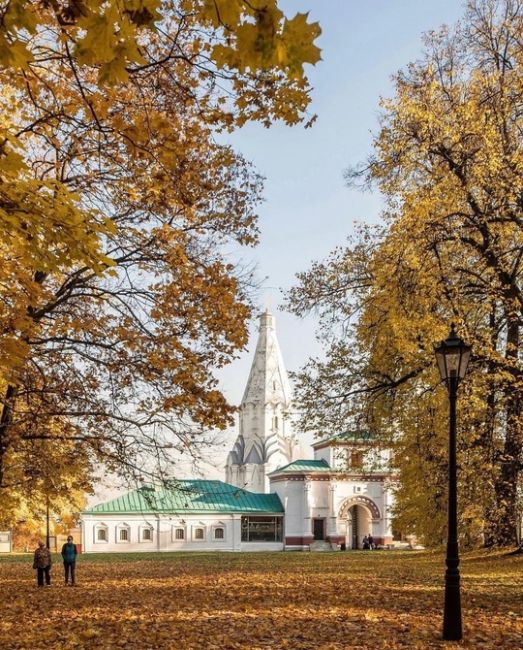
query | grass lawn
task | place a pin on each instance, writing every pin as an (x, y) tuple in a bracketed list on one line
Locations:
[(300, 601)]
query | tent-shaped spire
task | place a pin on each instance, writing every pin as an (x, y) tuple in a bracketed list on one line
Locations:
[(268, 378), (266, 439)]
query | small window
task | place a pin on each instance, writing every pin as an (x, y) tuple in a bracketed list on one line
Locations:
[(219, 533), (124, 535), (276, 423), (147, 534), (179, 533), (101, 533), (198, 533), (355, 459)]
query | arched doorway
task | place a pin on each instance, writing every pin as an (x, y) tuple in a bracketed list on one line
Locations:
[(358, 513), (359, 524)]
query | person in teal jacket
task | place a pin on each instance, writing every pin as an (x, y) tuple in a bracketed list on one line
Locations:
[(69, 553)]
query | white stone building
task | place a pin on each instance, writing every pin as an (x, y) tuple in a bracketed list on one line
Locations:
[(266, 438), (340, 496), (187, 515), (273, 498)]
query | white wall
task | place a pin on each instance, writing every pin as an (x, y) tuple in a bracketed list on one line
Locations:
[(164, 534), (319, 504), (374, 460), (292, 497), (5, 541), (324, 453), (261, 546)]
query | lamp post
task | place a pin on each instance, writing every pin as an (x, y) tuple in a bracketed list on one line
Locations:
[(452, 356), (47, 528)]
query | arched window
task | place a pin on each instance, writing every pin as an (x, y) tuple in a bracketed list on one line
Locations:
[(147, 534), (219, 533), (356, 459), (178, 534), (101, 533), (199, 534), (123, 533)]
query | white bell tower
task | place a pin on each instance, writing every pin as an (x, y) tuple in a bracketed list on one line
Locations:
[(266, 439)]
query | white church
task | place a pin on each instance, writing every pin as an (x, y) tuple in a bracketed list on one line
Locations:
[(273, 499)]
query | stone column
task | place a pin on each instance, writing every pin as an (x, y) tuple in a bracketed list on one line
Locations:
[(236, 531), (333, 535), (308, 537), (387, 529)]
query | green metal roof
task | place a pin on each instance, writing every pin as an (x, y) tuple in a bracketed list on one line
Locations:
[(346, 436), (305, 466), (190, 496)]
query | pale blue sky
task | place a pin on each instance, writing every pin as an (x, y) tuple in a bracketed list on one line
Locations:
[(308, 210)]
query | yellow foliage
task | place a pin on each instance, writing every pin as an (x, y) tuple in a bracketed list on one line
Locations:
[(72, 77), (116, 200), (447, 160)]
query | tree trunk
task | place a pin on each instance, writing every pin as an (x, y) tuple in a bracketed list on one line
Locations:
[(489, 435), (504, 524), (487, 444), (6, 417)]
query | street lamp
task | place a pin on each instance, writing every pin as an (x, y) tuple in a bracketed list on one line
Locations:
[(453, 356), (47, 527)]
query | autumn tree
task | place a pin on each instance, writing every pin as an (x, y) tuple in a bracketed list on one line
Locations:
[(54, 471), (117, 197), (448, 161)]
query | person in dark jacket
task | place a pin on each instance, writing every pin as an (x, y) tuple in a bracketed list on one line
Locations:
[(42, 563), (69, 557)]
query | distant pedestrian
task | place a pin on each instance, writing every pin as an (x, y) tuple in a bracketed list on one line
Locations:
[(42, 563), (69, 553), (366, 544), (372, 545)]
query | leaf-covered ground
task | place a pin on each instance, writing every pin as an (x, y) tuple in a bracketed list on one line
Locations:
[(299, 601)]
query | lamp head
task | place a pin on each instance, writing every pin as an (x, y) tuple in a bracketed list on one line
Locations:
[(453, 357)]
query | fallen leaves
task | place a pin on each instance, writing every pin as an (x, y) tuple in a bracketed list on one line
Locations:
[(296, 601)]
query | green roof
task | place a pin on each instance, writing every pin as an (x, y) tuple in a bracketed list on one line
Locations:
[(346, 436), (190, 496), (305, 466)]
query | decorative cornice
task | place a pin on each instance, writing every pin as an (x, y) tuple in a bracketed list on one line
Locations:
[(322, 476), (322, 444)]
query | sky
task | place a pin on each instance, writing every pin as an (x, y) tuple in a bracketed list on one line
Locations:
[(307, 210)]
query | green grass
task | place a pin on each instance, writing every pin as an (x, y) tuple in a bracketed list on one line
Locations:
[(107, 557), (209, 557)]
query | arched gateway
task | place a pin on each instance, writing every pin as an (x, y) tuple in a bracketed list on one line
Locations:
[(357, 515)]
